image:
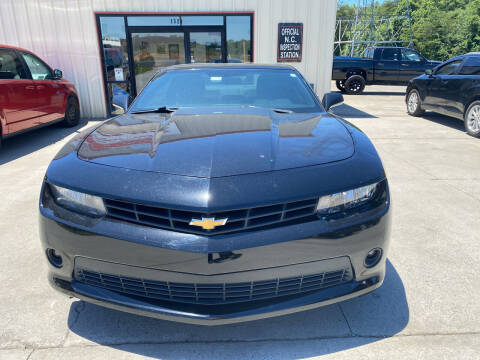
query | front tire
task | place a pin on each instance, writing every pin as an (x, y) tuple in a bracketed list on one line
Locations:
[(341, 85), (414, 103), (72, 113), (472, 119), (354, 85)]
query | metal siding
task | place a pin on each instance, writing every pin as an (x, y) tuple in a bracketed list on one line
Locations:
[(64, 34)]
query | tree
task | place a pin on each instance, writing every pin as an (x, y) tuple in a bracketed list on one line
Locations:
[(441, 28)]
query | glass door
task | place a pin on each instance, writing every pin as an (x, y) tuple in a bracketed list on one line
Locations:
[(152, 51), (153, 48), (205, 47)]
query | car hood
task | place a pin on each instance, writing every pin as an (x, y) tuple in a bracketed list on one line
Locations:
[(200, 142)]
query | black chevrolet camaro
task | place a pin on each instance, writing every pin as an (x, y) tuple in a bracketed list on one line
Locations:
[(225, 193)]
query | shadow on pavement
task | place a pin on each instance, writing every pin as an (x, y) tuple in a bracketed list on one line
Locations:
[(346, 111), (29, 142), (385, 93), (451, 122), (328, 329)]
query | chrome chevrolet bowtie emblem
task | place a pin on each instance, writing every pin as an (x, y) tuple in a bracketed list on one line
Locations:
[(208, 223)]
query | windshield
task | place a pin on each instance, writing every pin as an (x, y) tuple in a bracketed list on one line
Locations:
[(267, 88)]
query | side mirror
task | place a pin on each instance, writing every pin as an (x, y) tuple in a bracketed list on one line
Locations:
[(429, 72), (57, 74), (332, 99)]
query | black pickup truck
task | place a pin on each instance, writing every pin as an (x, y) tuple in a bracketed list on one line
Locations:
[(378, 65)]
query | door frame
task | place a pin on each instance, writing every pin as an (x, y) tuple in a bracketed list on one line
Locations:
[(186, 30), (125, 14)]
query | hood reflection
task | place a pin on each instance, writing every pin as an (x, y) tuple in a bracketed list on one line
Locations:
[(199, 142), (143, 133)]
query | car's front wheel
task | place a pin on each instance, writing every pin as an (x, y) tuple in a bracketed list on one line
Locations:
[(414, 105), (72, 113), (472, 119)]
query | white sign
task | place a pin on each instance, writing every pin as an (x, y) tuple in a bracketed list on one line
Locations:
[(119, 74)]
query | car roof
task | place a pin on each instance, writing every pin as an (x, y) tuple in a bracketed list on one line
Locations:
[(4, 46), (228, 66)]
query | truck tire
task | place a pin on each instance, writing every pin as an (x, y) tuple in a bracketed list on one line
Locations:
[(340, 85), (472, 119), (414, 103), (354, 85), (72, 113)]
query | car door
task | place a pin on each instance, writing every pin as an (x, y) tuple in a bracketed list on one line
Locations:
[(469, 82), (441, 91), (17, 92), (387, 66), (412, 64), (49, 95)]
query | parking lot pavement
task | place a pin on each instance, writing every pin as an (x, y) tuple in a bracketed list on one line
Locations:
[(427, 308)]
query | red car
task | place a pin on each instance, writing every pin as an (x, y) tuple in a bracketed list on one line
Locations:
[(32, 94)]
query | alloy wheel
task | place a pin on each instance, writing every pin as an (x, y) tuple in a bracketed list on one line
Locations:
[(473, 119), (412, 102), (355, 86)]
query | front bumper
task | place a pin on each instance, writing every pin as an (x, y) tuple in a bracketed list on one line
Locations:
[(302, 250)]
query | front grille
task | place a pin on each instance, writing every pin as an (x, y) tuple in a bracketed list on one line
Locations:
[(238, 220), (212, 294)]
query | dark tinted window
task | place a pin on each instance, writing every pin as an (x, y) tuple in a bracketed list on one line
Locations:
[(449, 69), (271, 89), (471, 66), (391, 54), (11, 67)]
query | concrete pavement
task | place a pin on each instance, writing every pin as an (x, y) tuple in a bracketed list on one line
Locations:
[(428, 307)]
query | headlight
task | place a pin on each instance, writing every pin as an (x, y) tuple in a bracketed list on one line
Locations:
[(77, 201), (330, 204)]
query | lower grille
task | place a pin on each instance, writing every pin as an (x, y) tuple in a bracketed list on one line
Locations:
[(212, 294)]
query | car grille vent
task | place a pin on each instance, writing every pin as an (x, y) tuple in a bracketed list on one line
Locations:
[(238, 220), (212, 294)]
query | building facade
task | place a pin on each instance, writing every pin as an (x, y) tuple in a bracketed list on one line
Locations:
[(110, 48)]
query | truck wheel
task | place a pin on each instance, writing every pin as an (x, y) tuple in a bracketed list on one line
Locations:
[(472, 119), (354, 85), (340, 85), (414, 103), (72, 113)]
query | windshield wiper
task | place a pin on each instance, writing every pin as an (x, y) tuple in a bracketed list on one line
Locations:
[(160, 110)]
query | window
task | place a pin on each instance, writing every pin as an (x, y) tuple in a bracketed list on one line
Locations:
[(10, 66), (37, 67), (391, 54), (368, 53), (410, 55), (114, 40), (449, 69), (271, 89), (239, 47), (471, 66)]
